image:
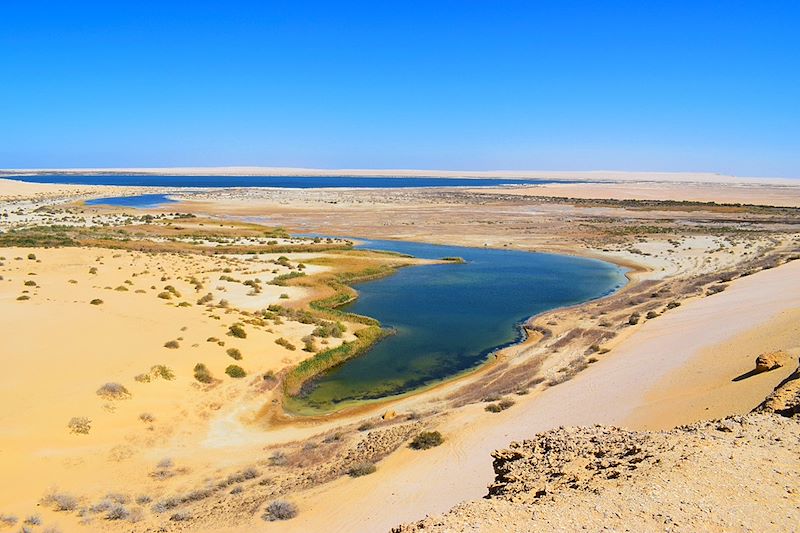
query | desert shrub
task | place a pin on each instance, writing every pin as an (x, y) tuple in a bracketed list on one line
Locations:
[(33, 520), (8, 520), (205, 299), (30, 283), (237, 490), (238, 331), (172, 345), (165, 295), (212, 339), (286, 344), (93, 270), (143, 499), (113, 391), (142, 378), (329, 329), (280, 510), (202, 374), (60, 501), (362, 469), (23, 298), (234, 353), (96, 301), (147, 418), (366, 426), (651, 314), (673, 305), (308, 344), (505, 403), (493, 408), (235, 371), (163, 372), (79, 424), (426, 439), (121, 288), (173, 290), (32, 257), (181, 516), (278, 459), (634, 319), (284, 296), (117, 512)]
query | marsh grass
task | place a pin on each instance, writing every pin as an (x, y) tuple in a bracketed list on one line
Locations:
[(327, 359)]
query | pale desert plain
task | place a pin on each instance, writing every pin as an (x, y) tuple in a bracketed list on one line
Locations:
[(149, 355)]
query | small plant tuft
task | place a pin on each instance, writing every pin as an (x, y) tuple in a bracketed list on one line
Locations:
[(426, 439)]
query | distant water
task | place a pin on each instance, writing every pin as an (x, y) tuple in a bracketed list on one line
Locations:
[(283, 182), (449, 317), (141, 200)]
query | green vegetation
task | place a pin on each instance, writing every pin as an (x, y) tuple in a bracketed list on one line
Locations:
[(427, 439), (202, 374), (235, 371), (327, 359), (234, 353), (163, 372), (237, 331), (286, 344), (283, 278)]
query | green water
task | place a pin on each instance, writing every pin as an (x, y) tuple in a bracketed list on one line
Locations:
[(447, 318)]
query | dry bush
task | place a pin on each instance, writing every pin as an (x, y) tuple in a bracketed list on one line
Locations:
[(280, 510), (113, 391), (80, 425)]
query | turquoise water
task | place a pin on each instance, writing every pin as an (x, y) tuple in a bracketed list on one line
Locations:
[(447, 318), (284, 182), (140, 200)]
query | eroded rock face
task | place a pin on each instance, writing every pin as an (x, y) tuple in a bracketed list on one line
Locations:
[(785, 399), (771, 360), (567, 458), (736, 474)]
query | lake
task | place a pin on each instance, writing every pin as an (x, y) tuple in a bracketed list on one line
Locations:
[(448, 318)]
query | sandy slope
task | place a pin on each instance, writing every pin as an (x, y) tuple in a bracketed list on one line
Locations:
[(409, 485)]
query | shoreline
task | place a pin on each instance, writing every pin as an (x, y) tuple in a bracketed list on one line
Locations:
[(490, 355)]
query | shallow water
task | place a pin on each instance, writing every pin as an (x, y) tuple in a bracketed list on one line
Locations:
[(449, 317), (283, 182)]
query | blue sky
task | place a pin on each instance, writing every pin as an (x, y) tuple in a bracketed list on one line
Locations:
[(656, 85)]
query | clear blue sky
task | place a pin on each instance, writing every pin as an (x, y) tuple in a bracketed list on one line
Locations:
[(633, 85)]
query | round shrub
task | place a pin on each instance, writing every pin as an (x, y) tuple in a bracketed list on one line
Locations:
[(235, 371)]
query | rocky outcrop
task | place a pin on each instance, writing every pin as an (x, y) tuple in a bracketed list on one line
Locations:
[(739, 473), (771, 360), (785, 399)]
